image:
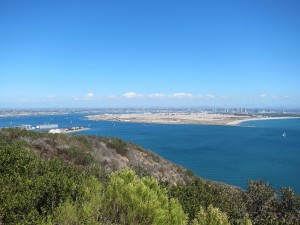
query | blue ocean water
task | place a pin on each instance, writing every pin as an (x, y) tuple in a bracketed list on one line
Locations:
[(230, 154)]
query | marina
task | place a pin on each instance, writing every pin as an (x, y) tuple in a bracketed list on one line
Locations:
[(52, 128)]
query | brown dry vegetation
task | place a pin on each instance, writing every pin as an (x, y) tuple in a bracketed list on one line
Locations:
[(90, 156), (112, 153)]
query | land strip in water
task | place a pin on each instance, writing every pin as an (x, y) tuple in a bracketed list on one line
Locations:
[(173, 118), (181, 118)]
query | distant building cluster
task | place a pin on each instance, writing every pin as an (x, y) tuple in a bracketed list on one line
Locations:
[(231, 110), (51, 128), (39, 127)]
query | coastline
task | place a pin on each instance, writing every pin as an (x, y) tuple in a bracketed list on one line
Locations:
[(181, 118), (74, 131), (172, 118), (238, 122)]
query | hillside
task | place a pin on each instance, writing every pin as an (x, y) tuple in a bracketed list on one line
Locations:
[(112, 153), (47, 177)]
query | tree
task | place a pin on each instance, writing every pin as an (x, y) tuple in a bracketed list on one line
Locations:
[(86, 210), (262, 203), (289, 206)]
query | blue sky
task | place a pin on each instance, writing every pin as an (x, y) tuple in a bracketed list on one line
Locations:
[(149, 53)]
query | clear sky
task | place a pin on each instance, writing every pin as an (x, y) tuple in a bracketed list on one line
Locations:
[(143, 53)]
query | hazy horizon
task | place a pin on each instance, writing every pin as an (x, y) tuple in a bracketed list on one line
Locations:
[(288, 109), (123, 54)]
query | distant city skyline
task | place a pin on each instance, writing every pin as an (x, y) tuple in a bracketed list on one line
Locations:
[(149, 54)]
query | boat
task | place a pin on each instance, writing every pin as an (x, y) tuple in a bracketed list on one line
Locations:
[(284, 135)]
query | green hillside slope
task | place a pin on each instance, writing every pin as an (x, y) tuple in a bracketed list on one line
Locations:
[(74, 179)]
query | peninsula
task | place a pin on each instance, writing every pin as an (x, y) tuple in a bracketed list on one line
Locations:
[(174, 118), (180, 117)]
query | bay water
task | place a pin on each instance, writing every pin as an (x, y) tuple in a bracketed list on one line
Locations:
[(230, 154)]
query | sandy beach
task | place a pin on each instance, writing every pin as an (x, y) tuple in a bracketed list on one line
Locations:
[(181, 118), (237, 122), (174, 118)]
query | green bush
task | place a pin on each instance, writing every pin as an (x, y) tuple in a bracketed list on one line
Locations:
[(192, 196), (83, 140), (37, 188), (130, 200), (85, 210), (80, 157), (211, 216), (289, 206), (266, 206), (30, 186), (119, 145)]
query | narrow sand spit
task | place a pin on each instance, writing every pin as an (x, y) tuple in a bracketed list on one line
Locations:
[(173, 118), (181, 118)]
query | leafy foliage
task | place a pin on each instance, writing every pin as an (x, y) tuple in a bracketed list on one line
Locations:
[(201, 194), (130, 200), (87, 210), (119, 145), (47, 179), (211, 216), (289, 206), (262, 202), (32, 187), (265, 206), (80, 157)]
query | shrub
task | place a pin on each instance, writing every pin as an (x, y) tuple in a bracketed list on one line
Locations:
[(119, 145), (79, 156), (30, 186), (289, 206), (261, 204), (192, 196), (130, 200), (266, 206), (211, 216), (86, 210)]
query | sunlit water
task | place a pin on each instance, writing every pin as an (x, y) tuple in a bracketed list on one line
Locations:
[(234, 155)]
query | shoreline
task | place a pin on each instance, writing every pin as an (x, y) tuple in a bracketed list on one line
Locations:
[(238, 122), (181, 118), (73, 131)]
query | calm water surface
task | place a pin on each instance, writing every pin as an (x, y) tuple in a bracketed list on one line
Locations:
[(234, 155)]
